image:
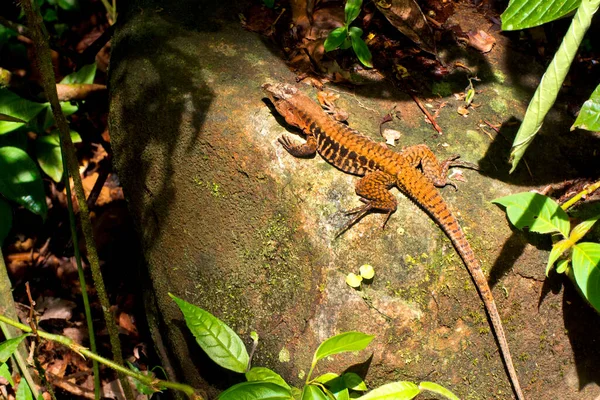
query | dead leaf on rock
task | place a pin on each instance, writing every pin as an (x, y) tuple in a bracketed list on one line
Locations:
[(481, 40), (462, 110), (390, 136)]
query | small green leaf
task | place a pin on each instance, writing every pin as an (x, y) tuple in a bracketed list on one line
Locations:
[(439, 389), (18, 109), (353, 280), (362, 51), (8, 347), (47, 149), (352, 10), (5, 373), (582, 228), (68, 5), (561, 266), (558, 249), (586, 268), (296, 393), (335, 38), (21, 181), (347, 43), (312, 392), (521, 14), (67, 109), (393, 391), (326, 377), (85, 74), (254, 336), (5, 219), (347, 341), (269, 3), (50, 15), (139, 386), (589, 116), (354, 382), (266, 375), (540, 213), (256, 391), (343, 394), (23, 391), (219, 341), (367, 271)]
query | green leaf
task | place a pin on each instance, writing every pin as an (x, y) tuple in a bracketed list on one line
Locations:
[(558, 249), (68, 5), (354, 382), (352, 10), (589, 116), (19, 110), (326, 377), (8, 347), (439, 389), (20, 180), (586, 268), (140, 386), (538, 212), (85, 74), (353, 280), (269, 3), (361, 50), (47, 150), (343, 394), (393, 391), (67, 109), (5, 373), (347, 43), (219, 341), (335, 38), (23, 391), (521, 14), (50, 15), (263, 374), (561, 266), (582, 228), (347, 341), (312, 392), (367, 271), (5, 219), (552, 81), (256, 391), (296, 393)]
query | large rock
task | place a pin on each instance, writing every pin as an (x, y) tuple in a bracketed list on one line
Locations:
[(232, 223)]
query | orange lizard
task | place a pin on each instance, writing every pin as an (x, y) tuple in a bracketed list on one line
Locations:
[(415, 171)]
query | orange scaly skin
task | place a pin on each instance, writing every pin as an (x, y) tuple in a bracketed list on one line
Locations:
[(382, 168)]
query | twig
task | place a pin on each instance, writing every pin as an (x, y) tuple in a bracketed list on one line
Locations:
[(589, 190), (427, 114), (491, 126)]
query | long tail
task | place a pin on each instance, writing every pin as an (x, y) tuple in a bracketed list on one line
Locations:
[(422, 192)]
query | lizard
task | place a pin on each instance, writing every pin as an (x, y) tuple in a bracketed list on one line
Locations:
[(415, 171)]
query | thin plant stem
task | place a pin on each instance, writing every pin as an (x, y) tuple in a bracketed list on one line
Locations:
[(40, 39), (588, 190), (154, 383)]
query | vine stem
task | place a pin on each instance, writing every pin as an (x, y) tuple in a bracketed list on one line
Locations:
[(154, 383), (588, 190)]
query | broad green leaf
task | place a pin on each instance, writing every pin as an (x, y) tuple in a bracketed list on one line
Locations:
[(561, 266), (312, 392), (335, 38), (361, 49), (326, 377), (5, 219), (21, 181), (47, 150), (352, 10), (402, 390), (586, 268), (558, 249), (256, 391), (219, 341), (18, 109), (538, 212), (582, 228), (8, 347), (67, 109), (589, 116), (551, 82), (68, 5), (521, 14), (439, 389), (347, 341), (23, 391), (5, 373), (343, 394), (354, 382), (263, 374), (85, 74)]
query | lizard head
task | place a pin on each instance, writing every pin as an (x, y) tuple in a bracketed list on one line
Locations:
[(282, 97)]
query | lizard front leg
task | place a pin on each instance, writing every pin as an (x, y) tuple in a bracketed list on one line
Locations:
[(434, 170), (374, 190), (307, 149)]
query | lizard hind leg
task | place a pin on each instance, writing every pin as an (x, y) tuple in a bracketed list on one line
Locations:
[(374, 192)]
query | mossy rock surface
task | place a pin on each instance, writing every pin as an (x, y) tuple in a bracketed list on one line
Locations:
[(232, 223)]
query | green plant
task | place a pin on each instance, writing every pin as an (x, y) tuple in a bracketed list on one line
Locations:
[(226, 348), (579, 260), (346, 36), (521, 14)]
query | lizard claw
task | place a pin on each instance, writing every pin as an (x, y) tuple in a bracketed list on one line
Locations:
[(286, 142)]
